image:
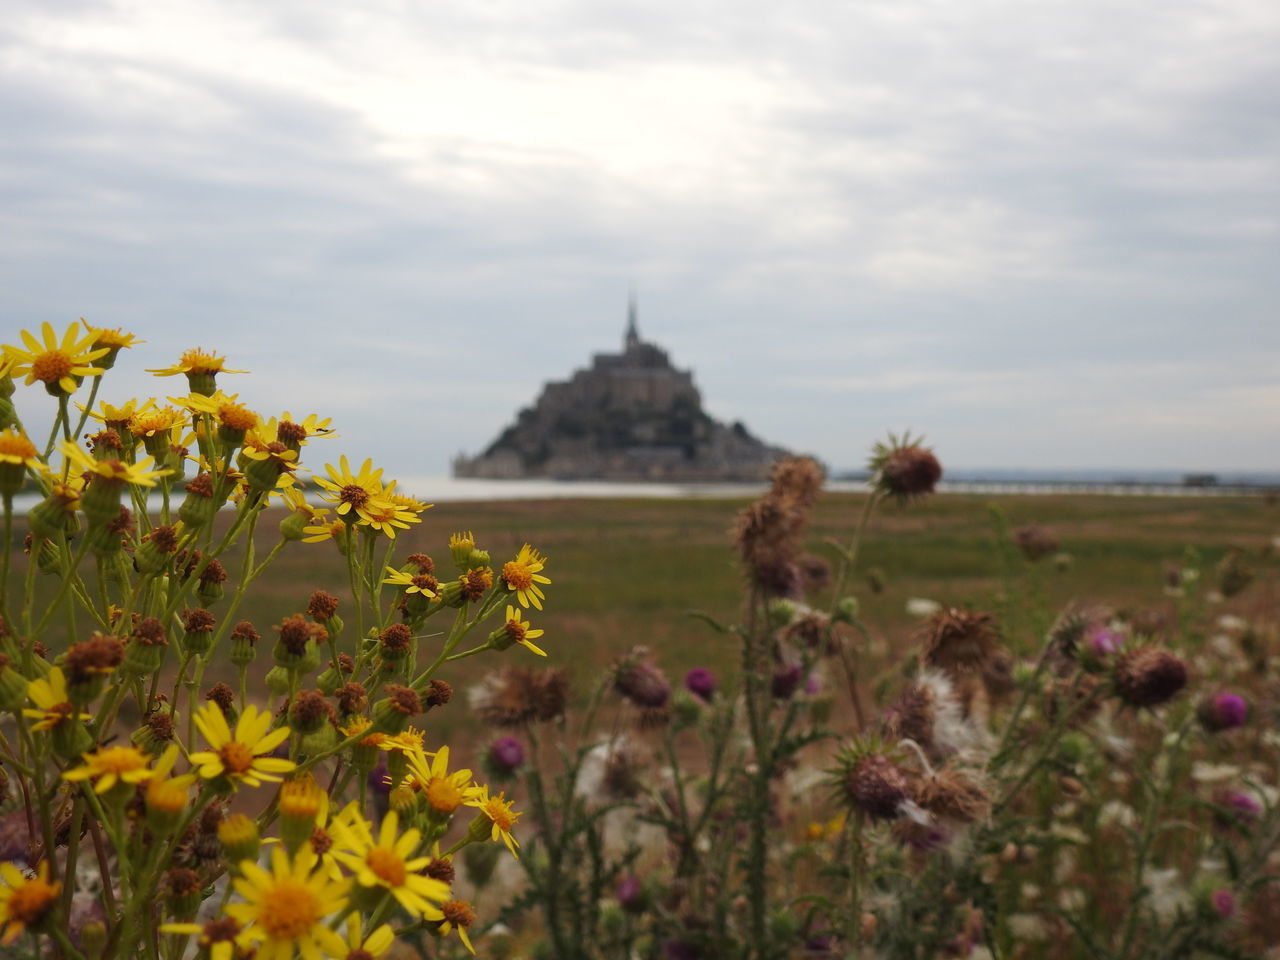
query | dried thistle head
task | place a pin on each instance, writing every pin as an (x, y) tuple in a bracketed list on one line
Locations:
[(517, 696), (871, 783), (956, 794), (1035, 542), (959, 641), (903, 469), (1148, 676)]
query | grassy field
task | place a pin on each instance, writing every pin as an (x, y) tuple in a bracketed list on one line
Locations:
[(628, 571)]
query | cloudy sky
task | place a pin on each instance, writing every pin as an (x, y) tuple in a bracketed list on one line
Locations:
[(1043, 233)]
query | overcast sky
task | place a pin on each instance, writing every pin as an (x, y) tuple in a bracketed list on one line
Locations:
[(1046, 234)]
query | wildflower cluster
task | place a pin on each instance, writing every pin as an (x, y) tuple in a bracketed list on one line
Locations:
[(992, 784), (292, 810)]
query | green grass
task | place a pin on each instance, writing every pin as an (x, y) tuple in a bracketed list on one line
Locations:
[(628, 571)]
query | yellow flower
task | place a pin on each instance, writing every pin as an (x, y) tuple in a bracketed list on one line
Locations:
[(318, 533), (218, 937), (373, 946), (24, 901), (59, 366), (139, 474), (240, 756), (404, 502), (112, 765), (458, 915), (412, 582), (390, 863), (295, 433), (296, 500), (17, 449), (285, 910), (359, 725), (152, 420), (384, 516), (227, 410), (115, 418), (50, 694), (196, 361), (522, 575), (352, 491), (113, 338), (517, 631), (407, 741), (445, 791), (499, 814)]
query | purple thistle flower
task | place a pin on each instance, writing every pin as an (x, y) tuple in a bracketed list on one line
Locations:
[(506, 754), (701, 682), (1224, 711), (1224, 903), (630, 894)]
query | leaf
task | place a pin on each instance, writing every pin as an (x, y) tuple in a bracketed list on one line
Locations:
[(712, 622)]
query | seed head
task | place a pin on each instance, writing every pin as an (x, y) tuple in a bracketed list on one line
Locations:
[(1149, 676)]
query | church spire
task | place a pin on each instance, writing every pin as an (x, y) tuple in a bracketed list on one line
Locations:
[(633, 334)]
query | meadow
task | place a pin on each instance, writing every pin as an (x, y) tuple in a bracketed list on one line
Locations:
[(890, 725), (629, 571)]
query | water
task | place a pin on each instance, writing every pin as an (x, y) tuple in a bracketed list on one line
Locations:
[(434, 489)]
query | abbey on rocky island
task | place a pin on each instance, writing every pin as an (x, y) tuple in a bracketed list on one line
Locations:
[(630, 416)]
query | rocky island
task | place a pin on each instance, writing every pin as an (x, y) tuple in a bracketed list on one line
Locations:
[(629, 416)]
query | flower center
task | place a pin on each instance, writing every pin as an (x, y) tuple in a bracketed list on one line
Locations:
[(443, 795), (498, 812), (320, 841), (51, 366), (517, 575), (16, 445), (515, 631), (236, 757), (288, 911), (458, 912), (386, 866), (354, 494), (120, 760), (29, 902)]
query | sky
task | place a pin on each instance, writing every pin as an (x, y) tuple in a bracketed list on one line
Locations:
[(1043, 233)]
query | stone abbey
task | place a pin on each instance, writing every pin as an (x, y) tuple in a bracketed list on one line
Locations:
[(629, 416)]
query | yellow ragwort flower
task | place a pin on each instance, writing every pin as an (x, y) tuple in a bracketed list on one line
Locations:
[(319, 533), (151, 420), (517, 631), (412, 582), (113, 338), (458, 915), (218, 938), (24, 900), (523, 576), (407, 741), (60, 366), (224, 408), (375, 945), (385, 517), (197, 361), (389, 862), (499, 814), (139, 474), (112, 765), (445, 791), (16, 448), (240, 756), (49, 693), (285, 911), (352, 491)]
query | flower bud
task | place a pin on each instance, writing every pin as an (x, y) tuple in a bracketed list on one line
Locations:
[(701, 682), (278, 680), (244, 642), (875, 785), (240, 841), (1223, 711), (846, 610), (300, 802), (1148, 677)]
